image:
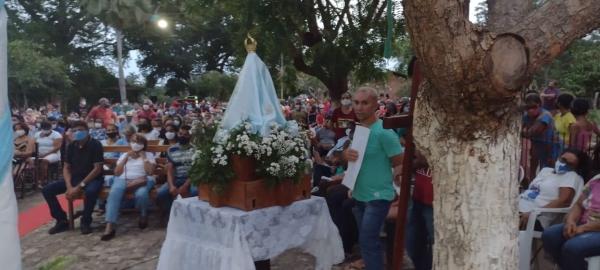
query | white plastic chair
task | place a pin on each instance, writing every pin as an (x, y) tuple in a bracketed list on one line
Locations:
[(526, 236), (593, 263)]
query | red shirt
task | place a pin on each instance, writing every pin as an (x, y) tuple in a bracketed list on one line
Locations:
[(341, 122), (106, 114), (423, 191), (149, 114)]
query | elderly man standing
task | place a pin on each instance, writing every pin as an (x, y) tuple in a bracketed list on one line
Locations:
[(374, 190), (103, 112)]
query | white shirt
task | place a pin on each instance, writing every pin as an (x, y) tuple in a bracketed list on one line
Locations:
[(152, 135), (545, 188), (46, 144), (134, 168)]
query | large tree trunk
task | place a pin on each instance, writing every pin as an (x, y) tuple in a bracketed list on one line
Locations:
[(475, 185), (467, 122)]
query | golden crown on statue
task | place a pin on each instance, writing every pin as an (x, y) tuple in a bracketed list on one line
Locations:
[(250, 43)]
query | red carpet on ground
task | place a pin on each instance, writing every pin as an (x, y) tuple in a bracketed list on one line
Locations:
[(39, 215)]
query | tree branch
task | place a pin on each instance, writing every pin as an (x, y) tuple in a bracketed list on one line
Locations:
[(550, 29), (443, 39), (505, 14)]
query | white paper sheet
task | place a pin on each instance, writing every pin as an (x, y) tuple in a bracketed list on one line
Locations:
[(359, 143)]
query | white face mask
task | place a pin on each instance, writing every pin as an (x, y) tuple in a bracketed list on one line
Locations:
[(136, 147), (346, 102), (19, 133), (98, 125), (170, 135), (145, 107), (53, 126), (157, 129), (83, 103), (176, 122)]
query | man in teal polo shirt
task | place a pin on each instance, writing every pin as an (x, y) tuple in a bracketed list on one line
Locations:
[(373, 190)]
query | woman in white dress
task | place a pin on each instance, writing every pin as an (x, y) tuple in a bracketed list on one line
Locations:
[(49, 143)]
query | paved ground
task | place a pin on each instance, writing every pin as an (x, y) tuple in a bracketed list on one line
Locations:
[(132, 248)]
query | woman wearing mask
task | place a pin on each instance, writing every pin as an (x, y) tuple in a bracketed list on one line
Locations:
[(131, 174), (554, 187), (579, 236), (343, 117), (24, 145), (112, 138), (49, 143), (170, 136), (97, 132)]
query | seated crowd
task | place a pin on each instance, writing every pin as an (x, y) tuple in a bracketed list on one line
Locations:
[(558, 139)]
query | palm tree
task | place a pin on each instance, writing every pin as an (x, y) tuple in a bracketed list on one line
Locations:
[(120, 14)]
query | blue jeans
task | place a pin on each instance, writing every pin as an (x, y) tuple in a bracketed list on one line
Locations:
[(164, 198), (369, 219), (91, 190), (117, 190), (419, 235), (570, 254)]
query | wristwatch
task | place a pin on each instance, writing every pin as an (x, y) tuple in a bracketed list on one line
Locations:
[(82, 184)]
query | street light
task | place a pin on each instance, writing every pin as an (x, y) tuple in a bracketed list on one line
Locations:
[(162, 24)]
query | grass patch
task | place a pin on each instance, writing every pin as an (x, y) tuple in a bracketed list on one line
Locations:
[(58, 263)]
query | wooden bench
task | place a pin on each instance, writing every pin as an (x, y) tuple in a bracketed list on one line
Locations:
[(160, 174)]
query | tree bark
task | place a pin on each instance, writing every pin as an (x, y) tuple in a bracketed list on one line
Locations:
[(467, 122), (475, 187), (505, 14), (122, 90)]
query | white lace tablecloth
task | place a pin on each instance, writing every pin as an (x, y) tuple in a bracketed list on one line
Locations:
[(202, 237)]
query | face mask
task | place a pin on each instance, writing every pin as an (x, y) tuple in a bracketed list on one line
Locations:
[(98, 125), (90, 125), (125, 103), (37, 125), (136, 147), (170, 135), (183, 140), (82, 103), (561, 167), (46, 132), (19, 133), (346, 102), (80, 135), (146, 107), (112, 135), (176, 122), (54, 126), (157, 129)]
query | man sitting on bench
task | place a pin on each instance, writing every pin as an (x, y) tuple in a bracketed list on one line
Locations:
[(82, 172), (180, 162)]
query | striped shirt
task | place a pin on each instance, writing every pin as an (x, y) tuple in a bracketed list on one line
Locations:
[(181, 158)]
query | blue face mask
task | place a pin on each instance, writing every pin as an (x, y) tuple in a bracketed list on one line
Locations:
[(80, 135), (561, 167)]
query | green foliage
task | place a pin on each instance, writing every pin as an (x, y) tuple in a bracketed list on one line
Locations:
[(64, 29), (327, 41), (577, 70), (58, 263), (204, 170), (32, 74), (119, 13), (213, 84)]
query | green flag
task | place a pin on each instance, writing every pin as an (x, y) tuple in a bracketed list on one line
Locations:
[(387, 51)]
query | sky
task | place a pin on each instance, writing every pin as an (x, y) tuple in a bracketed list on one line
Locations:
[(131, 66)]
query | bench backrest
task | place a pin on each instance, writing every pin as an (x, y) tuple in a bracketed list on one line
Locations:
[(160, 170)]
